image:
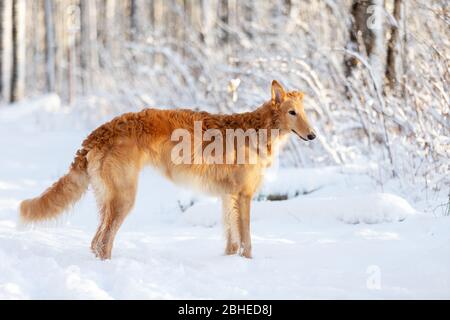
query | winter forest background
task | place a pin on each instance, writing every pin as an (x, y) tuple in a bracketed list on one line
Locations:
[(376, 72), (362, 211)]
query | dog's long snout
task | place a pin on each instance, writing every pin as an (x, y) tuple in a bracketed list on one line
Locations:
[(311, 136)]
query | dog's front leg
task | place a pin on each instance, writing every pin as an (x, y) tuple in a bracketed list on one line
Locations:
[(230, 210), (244, 230)]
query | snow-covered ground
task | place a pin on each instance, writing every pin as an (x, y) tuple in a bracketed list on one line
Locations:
[(339, 235)]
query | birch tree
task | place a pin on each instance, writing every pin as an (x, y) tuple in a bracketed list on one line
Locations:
[(5, 49), (1, 47), (18, 50), (49, 45), (89, 57)]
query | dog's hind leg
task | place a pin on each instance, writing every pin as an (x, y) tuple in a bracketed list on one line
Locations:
[(115, 212), (230, 211), (115, 188), (97, 234)]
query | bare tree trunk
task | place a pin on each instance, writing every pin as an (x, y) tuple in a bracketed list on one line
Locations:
[(202, 7), (110, 32), (6, 7), (1, 46), (19, 51), (89, 51), (362, 37), (404, 52), (35, 28), (49, 46), (248, 12), (151, 15), (133, 19), (224, 19), (159, 10), (72, 20), (186, 23), (392, 51), (287, 7), (60, 18)]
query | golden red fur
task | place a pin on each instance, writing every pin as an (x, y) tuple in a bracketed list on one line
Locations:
[(112, 156)]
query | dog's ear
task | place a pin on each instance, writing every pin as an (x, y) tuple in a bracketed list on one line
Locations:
[(278, 93)]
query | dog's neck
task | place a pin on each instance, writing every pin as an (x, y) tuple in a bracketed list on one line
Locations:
[(264, 117), (267, 117)]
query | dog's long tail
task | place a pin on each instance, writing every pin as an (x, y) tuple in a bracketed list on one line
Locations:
[(63, 193)]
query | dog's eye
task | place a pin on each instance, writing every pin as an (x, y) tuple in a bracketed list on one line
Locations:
[(292, 112)]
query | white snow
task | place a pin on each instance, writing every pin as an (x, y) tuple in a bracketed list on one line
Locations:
[(339, 235)]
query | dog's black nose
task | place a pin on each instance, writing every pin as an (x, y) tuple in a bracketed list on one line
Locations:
[(311, 136)]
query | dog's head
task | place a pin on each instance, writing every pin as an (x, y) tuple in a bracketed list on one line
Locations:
[(289, 106)]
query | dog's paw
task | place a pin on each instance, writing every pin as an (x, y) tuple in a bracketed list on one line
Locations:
[(246, 253), (231, 249)]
